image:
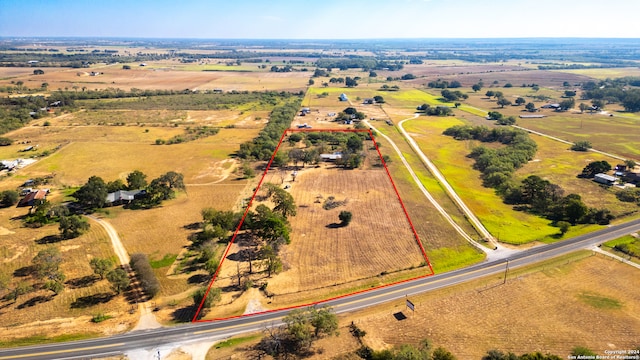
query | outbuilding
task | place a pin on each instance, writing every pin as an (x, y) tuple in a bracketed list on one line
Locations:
[(605, 179)]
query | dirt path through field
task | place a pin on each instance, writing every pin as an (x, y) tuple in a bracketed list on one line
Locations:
[(426, 193), (147, 318), (499, 250)]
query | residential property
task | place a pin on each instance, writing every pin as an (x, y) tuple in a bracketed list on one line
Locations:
[(33, 197), (123, 196), (605, 179), (343, 97)]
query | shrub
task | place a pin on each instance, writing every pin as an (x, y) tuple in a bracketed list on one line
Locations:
[(581, 146), (4, 141), (8, 198), (345, 217)]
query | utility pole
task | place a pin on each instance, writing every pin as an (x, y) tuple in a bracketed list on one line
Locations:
[(506, 270)]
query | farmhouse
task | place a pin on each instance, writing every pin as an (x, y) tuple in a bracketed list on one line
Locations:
[(331, 157), (33, 197), (123, 196), (343, 97), (605, 179)]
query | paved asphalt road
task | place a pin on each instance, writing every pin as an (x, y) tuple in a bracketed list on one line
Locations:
[(222, 329)]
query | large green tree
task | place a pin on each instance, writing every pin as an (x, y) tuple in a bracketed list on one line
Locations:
[(136, 180), (73, 226), (119, 280), (595, 167), (101, 266), (93, 194), (8, 198)]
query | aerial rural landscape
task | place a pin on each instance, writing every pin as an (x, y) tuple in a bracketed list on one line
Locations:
[(243, 197)]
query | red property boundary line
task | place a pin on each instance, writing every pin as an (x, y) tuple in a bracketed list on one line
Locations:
[(246, 212)]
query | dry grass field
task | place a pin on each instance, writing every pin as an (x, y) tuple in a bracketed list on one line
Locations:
[(324, 259), (39, 313), (379, 238), (576, 300), (113, 76), (112, 152), (589, 302)]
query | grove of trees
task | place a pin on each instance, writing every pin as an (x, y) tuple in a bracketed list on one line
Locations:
[(533, 194), (302, 328)]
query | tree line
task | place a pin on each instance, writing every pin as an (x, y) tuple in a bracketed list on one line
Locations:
[(609, 91), (263, 146)]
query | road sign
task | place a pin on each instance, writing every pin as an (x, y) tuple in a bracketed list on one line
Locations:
[(410, 305)]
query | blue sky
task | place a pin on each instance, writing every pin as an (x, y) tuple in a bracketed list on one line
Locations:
[(320, 19)]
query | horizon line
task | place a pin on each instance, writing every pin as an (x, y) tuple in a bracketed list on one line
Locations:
[(120, 37)]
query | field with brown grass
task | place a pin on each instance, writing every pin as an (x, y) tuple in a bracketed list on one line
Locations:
[(553, 307), (161, 77), (589, 302), (325, 259), (40, 312)]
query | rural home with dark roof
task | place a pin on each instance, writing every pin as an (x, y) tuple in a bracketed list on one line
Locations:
[(32, 198)]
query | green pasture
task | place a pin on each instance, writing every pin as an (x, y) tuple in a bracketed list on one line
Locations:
[(448, 259), (554, 161), (604, 73), (617, 134), (449, 155), (627, 239)]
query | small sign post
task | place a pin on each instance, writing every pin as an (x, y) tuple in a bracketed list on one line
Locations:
[(411, 305)]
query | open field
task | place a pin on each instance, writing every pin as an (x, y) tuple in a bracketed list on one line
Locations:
[(563, 291), (588, 301), (71, 310), (325, 259), (617, 135), (449, 156), (112, 152), (554, 161), (113, 76), (379, 239), (603, 74)]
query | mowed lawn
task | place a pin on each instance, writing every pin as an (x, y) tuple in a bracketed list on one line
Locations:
[(450, 156)]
